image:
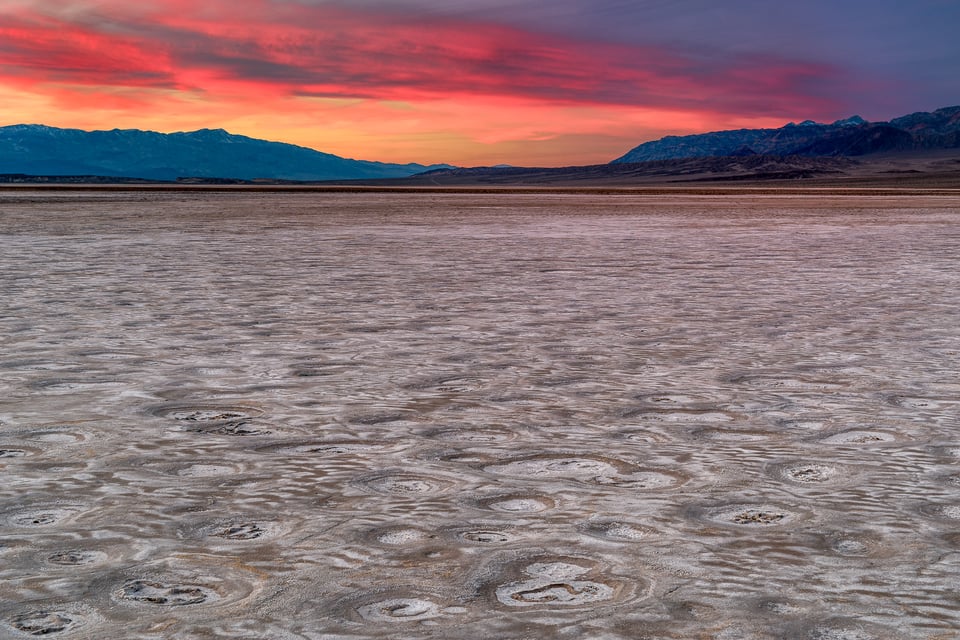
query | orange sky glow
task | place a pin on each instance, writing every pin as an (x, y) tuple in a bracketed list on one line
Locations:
[(380, 84)]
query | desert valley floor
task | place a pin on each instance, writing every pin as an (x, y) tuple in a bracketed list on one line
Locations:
[(247, 414)]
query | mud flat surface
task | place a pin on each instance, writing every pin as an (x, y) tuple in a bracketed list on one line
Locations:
[(361, 415)]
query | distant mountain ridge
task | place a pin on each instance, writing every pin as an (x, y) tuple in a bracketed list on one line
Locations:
[(853, 136), (206, 153)]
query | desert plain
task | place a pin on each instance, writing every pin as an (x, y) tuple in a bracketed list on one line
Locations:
[(510, 414)]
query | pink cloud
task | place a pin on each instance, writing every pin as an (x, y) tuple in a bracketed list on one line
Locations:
[(260, 47), (44, 49)]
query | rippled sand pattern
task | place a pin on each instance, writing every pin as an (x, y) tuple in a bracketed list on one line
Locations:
[(511, 416)]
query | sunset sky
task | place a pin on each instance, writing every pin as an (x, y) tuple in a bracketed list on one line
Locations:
[(472, 82)]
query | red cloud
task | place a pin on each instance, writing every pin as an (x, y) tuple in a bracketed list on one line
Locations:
[(298, 49), (43, 49)]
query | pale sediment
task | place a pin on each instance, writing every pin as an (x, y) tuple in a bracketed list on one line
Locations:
[(446, 415)]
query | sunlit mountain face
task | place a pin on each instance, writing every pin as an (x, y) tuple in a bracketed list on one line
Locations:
[(474, 82)]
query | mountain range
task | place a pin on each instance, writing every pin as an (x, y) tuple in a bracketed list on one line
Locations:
[(849, 138), (793, 151), (208, 153)]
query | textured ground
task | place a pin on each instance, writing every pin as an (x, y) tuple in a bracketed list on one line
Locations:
[(359, 415)]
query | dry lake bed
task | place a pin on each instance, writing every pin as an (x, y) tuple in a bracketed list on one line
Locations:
[(494, 415)]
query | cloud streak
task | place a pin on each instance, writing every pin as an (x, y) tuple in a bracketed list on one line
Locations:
[(338, 52)]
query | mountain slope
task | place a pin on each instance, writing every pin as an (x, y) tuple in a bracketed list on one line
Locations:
[(851, 137), (209, 153), (687, 170)]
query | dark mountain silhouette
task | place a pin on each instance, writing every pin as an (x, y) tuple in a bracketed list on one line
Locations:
[(850, 137), (207, 153), (729, 168), (920, 147)]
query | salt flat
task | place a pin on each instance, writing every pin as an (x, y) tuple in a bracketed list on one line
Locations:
[(489, 415)]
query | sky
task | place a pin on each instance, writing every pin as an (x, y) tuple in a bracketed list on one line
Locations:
[(472, 82)]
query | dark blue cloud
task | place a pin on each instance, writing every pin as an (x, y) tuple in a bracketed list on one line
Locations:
[(903, 55)]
